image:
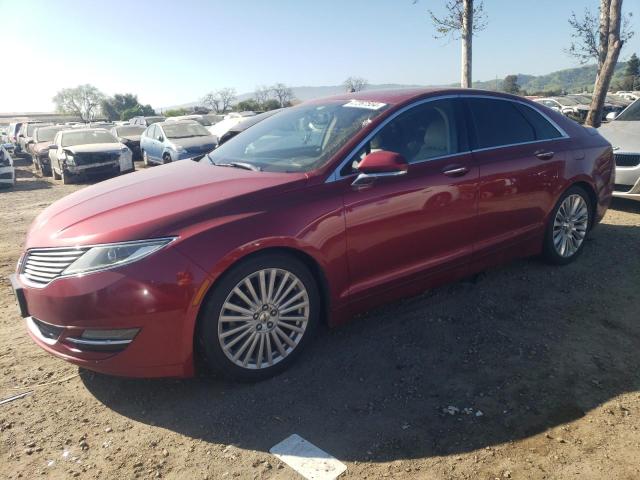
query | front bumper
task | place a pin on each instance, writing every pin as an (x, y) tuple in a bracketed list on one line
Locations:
[(627, 179), (7, 175), (154, 297), (94, 168)]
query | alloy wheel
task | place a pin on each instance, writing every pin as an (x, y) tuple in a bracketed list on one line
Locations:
[(570, 225), (264, 318)]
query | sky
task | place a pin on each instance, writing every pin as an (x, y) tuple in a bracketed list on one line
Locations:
[(169, 53)]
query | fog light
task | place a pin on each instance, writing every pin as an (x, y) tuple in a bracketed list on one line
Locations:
[(121, 334), (104, 340)]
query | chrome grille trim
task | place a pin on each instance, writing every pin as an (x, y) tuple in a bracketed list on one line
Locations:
[(43, 265)]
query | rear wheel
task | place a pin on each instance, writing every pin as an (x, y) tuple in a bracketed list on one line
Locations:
[(259, 318), (568, 226)]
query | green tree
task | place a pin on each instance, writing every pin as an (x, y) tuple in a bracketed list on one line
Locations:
[(271, 104), (113, 107), (510, 84), (138, 110), (248, 105), (176, 112), (631, 75)]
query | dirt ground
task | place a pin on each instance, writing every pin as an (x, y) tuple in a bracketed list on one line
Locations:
[(525, 372)]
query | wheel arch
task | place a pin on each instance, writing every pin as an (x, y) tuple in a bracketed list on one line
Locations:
[(308, 260), (593, 198)]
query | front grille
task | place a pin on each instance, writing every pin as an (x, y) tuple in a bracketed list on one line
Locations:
[(627, 159), (622, 188), (43, 265), (97, 157), (47, 330)]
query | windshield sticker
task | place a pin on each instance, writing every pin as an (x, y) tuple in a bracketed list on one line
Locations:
[(365, 104)]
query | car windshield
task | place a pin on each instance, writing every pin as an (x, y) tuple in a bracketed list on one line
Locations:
[(87, 136), (298, 139), (566, 101), (203, 121), (213, 119), (46, 134), (124, 131), (152, 120), (631, 113), (32, 126), (184, 130)]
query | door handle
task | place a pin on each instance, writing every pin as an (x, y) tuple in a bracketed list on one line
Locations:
[(544, 154), (455, 171)]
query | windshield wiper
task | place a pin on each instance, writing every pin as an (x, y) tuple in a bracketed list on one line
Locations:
[(242, 165)]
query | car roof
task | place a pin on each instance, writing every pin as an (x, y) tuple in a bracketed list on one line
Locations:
[(407, 95)]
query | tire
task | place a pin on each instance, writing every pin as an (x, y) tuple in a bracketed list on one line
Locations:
[(46, 170), (56, 175), (567, 227), (264, 323), (67, 178), (145, 159), (166, 158)]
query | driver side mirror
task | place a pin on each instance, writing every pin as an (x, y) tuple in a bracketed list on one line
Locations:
[(378, 165)]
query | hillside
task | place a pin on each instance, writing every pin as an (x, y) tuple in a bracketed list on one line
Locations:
[(569, 80)]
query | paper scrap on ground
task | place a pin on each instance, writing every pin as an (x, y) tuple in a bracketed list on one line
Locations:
[(307, 459)]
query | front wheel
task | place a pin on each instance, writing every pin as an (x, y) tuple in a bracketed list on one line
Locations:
[(259, 317), (145, 159), (568, 226)]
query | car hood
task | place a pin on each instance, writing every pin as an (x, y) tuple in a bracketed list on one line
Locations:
[(94, 148), (193, 141), (40, 147), (132, 138), (622, 134), (156, 202)]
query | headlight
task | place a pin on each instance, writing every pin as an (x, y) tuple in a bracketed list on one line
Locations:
[(69, 158), (113, 255), (178, 148), (124, 150)]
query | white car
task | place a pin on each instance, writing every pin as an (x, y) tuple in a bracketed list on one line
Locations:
[(88, 151), (230, 121), (624, 135), (7, 171)]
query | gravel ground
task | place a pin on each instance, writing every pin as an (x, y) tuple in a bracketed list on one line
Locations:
[(527, 371)]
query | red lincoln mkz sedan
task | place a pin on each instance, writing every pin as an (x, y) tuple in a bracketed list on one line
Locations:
[(316, 213)]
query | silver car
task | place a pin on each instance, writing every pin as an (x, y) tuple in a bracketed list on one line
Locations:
[(624, 135)]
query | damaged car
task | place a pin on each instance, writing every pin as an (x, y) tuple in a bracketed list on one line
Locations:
[(7, 171), (130, 136), (87, 152), (39, 149)]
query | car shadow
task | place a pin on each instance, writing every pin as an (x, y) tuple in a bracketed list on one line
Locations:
[(625, 205), (523, 348)]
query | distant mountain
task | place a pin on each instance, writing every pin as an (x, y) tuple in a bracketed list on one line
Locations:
[(570, 80)]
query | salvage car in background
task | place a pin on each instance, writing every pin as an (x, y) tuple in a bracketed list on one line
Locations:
[(26, 133), (166, 142), (570, 107), (39, 149), (130, 136), (239, 257), (146, 121), (7, 171), (87, 152), (230, 120), (624, 134), (244, 124)]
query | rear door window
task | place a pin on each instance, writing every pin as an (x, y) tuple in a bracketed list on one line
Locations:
[(543, 128), (498, 123)]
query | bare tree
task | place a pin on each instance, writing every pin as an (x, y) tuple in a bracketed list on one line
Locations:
[(282, 93), (601, 39), (589, 32), (220, 100), (262, 94), (83, 101), (355, 84), (462, 21)]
